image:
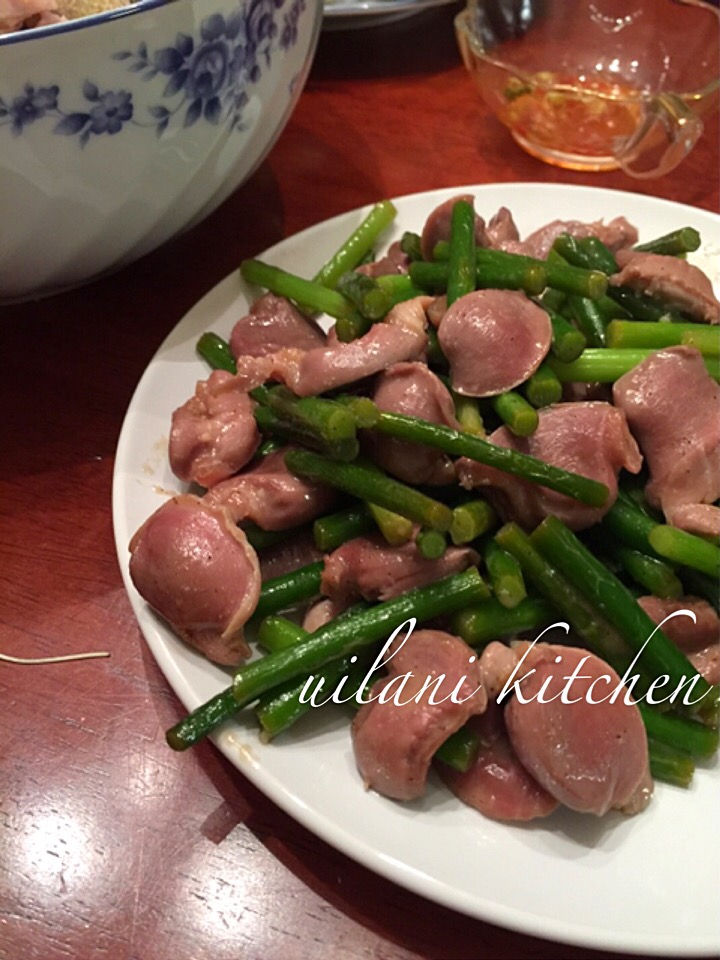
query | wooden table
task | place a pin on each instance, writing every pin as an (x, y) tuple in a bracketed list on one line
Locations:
[(113, 847)]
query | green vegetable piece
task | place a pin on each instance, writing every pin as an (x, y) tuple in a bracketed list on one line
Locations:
[(279, 633), (360, 242), (589, 319), (471, 520), (676, 243), (516, 413), (606, 365), (344, 449), (331, 531), (686, 549), (680, 733), (279, 593), (462, 267), (395, 529), (655, 576), (614, 602), (369, 298), (431, 544), (313, 295), (505, 575), (460, 444), (371, 485), (633, 334), (543, 387), (460, 750), (348, 635), (489, 620), (670, 766), (216, 352)]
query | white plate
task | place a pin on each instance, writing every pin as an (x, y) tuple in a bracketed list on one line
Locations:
[(354, 14), (648, 884)]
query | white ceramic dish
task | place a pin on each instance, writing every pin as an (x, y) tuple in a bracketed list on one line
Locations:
[(357, 14), (648, 884)]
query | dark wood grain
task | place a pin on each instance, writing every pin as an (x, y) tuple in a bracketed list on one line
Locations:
[(111, 846)]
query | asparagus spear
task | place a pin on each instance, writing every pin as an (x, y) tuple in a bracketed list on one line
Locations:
[(590, 253), (347, 635), (345, 448), (655, 576), (491, 271), (516, 413), (680, 733), (589, 319), (279, 593), (669, 765), (360, 242), (370, 299), (489, 620), (614, 602), (543, 387), (471, 520), (462, 269), (676, 243), (605, 365), (686, 549), (216, 352), (431, 544), (568, 342), (464, 445), (368, 483), (333, 423), (505, 574), (631, 334), (642, 307), (522, 272), (334, 529), (313, 295)]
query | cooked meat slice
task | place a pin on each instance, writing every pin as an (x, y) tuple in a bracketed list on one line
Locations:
[(414, 710), (413, 389), (675, 281), (196, 569), (213, 434), (288, 555), (501, 230), (497, 784), (672, 403), (589, 752), (591, 439), (321, 613), (493, 340), (616, 235), (273, 324), (369, 567), (270, 496), (698, 637), (394, 261), (700, 518), (337, 365), (437, 226)]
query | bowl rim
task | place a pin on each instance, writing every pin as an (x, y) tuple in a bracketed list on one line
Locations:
[(80, 23)]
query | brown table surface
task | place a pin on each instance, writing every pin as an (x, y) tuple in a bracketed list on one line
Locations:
[(112, 846)]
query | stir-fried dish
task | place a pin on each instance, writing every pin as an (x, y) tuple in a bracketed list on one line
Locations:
[(481, 510)]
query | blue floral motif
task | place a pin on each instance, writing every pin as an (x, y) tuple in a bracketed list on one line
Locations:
[(203, 78)]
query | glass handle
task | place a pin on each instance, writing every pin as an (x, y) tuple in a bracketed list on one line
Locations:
[(668, 132)]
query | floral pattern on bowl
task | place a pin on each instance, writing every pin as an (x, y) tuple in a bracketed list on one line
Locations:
[(201, 78)]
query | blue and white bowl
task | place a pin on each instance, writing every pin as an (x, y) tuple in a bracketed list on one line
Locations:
[(120, 130)]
